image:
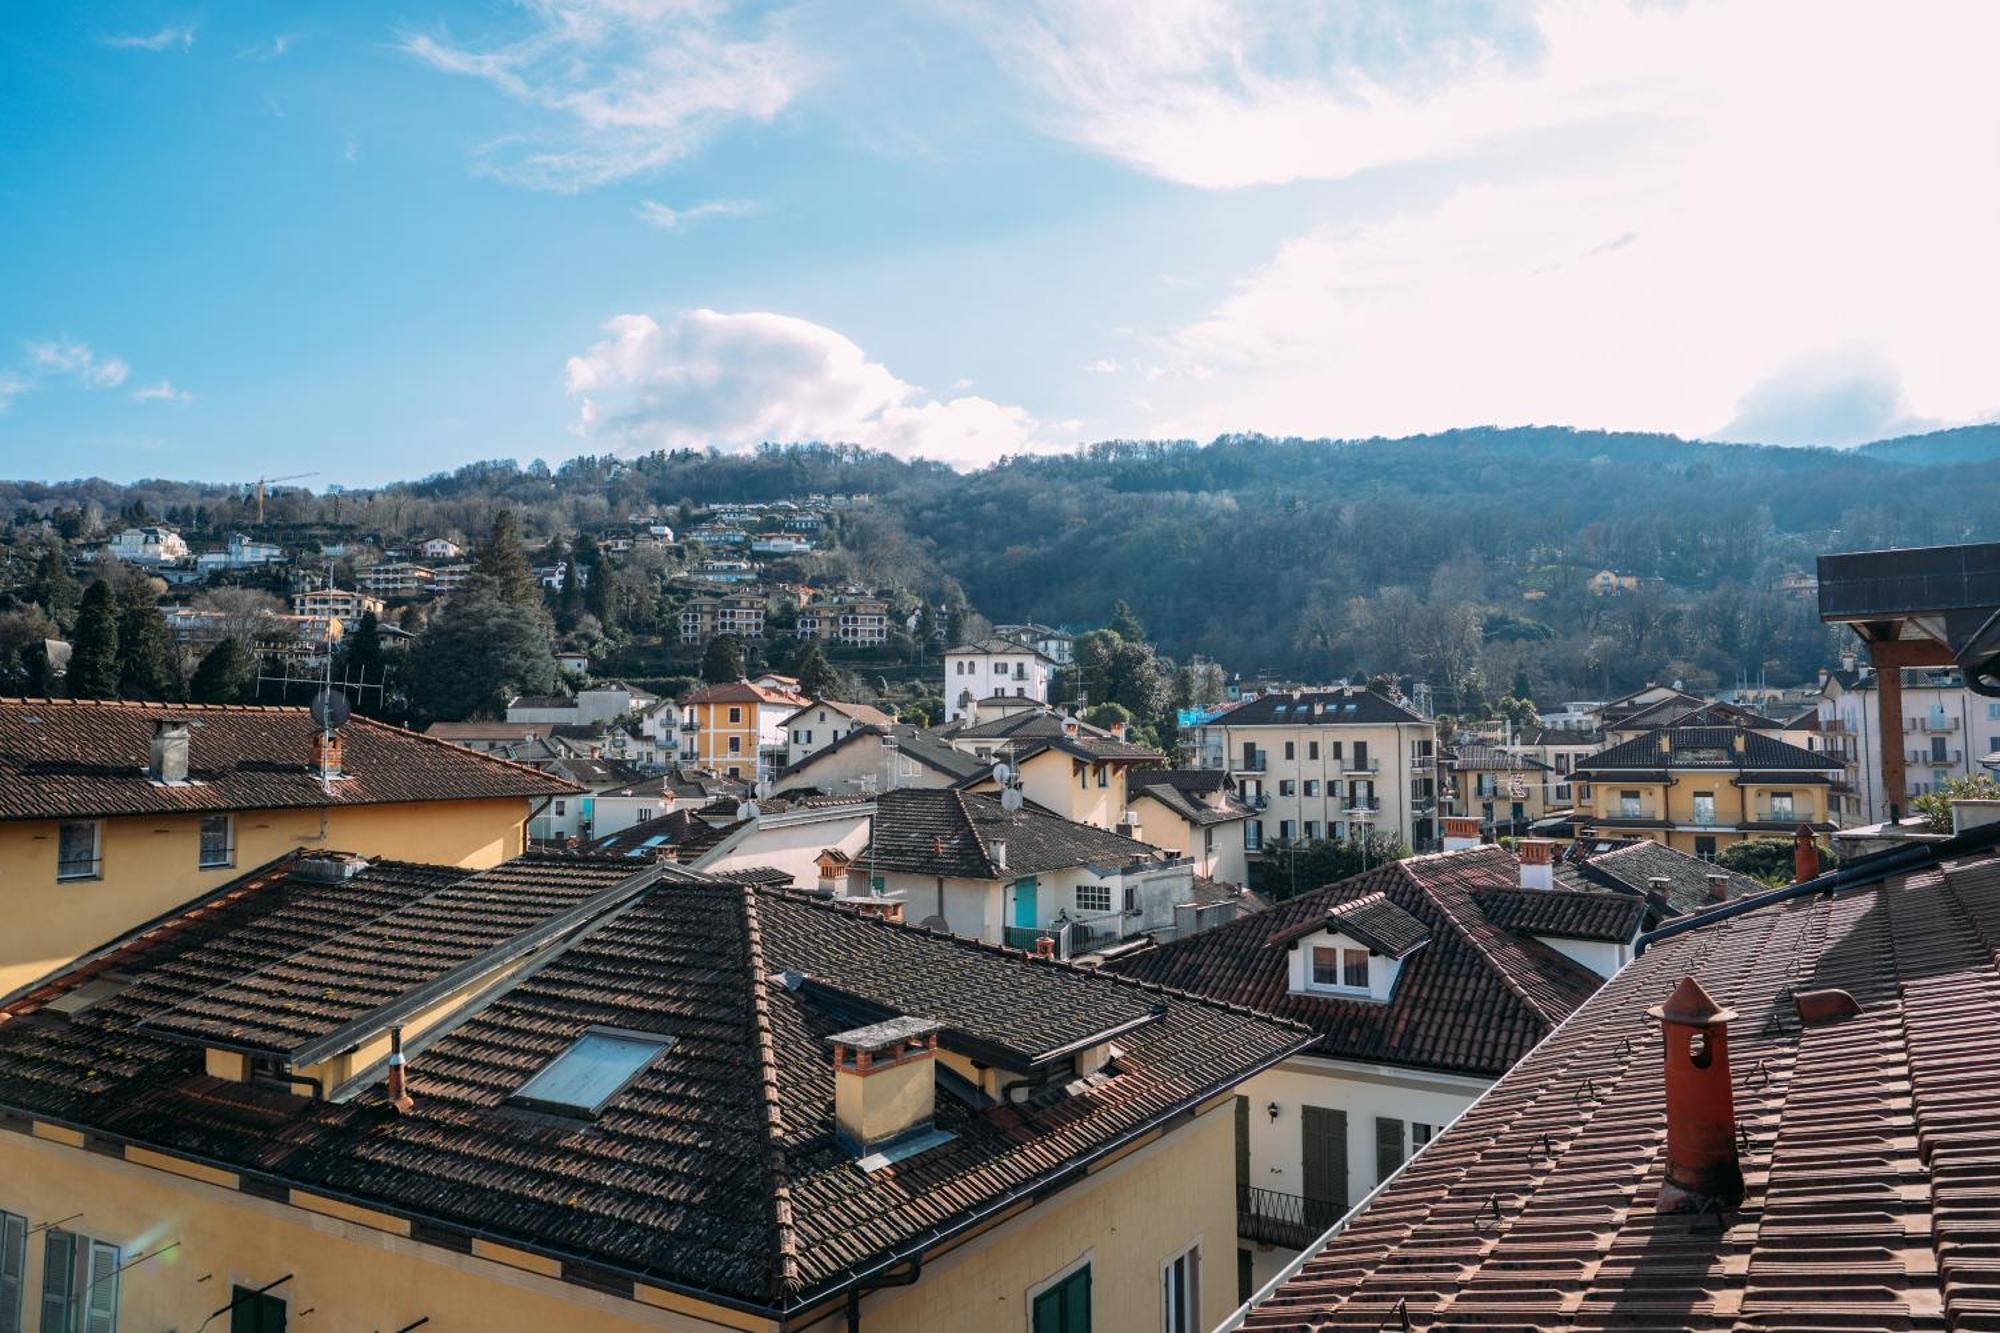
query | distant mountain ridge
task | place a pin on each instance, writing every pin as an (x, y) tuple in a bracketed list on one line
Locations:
[(1962, 444)]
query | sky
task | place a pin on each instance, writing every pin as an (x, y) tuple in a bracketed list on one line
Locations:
[(370, 242)]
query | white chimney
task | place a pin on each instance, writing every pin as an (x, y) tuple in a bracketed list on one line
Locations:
[(1538, 869), (884, 1082), (1460, 833), (996, 851), (168, 761)]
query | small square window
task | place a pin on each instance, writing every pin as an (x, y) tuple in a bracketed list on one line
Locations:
[(1093, 897), (218, 842), (77, 854)]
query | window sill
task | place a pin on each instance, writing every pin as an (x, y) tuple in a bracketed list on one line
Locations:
[(95, 877)]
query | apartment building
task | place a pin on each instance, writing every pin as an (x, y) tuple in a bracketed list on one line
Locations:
[(615, 1094), (989, 667), (859, 622), (396, 578), (450, 578), (705, 617), (1059, 646), (148, 546), (1946, 731), (1327, 764), (1699, 789), (737, 729), (335, 603)]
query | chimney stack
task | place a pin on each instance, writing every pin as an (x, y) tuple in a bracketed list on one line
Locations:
[(169, 758), (1702, 1166), (326, 751), (1538, 869), (884, 1082), (1805, 855), (1460, 833), (399, 1092), (1117, 731), (996, 852), (1718, 887)]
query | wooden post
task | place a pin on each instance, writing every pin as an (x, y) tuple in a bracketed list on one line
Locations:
[(1889, 724)]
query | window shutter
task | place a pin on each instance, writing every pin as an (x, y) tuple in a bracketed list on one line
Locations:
[(100, 1293), (13, 1267), (58, 1279), (1388, 1146)]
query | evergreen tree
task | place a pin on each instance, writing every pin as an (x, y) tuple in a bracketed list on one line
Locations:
[(502, 559), (479, 651), (569, 598), (1124, 624), (362, 658), (722, 663), (596, 570), (817, 677), (53, 587), (221, 676), (93, 661), (147, 662)]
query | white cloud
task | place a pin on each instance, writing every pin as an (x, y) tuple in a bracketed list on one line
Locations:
[(632, 85), (181, 35), (163, 392), (1784, 228), (738, 380), (269, 49), (12, 385), (1101, 366), (655, 214), (67, 356)]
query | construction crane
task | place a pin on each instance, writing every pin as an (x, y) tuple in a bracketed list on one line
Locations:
[(261, 482)]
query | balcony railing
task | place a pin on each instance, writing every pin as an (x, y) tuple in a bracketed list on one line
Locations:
[(1792, 816), (1932, 757), (1073, 936), (1364, 809), (1252, 763), (1361, 765), (1932, 724), (1271, 1218), (1422, 763)]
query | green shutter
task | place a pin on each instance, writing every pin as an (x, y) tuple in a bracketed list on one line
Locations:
[(13, 1269), (1388, 1146), (1064, 1307), (58, 1280), (1323, 1147)]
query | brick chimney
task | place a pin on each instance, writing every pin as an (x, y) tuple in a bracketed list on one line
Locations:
[(1702, 1166), (326, 751), (884, 1082), (1460, 833), (1538, 868), (1805, 855), (1718, 887), (399, 1092), (168, 759)]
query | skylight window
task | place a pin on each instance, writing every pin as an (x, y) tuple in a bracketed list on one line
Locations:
[(601, 1063)]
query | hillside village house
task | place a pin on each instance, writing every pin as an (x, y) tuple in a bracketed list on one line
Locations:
[(1196, 813), (737, 729), (871, 759), (396, 578), (616, 809), (1699, 789), (702, 618), (994, 666), (856, 621), (440, 548), (570, 820), (1505, 790), (335, 604), (112, 814), (961, 862), (599, 703), (1327, 764), (148, 546), (615, 1095), (242, 551), (1424, 980), (1059, 646), (824, 721), (1079, 774)]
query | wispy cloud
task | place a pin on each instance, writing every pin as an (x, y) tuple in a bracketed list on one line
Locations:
[(629, 86), (1101, 366), (269, 49), (69, 357), (666, 218), (12, 385), (350, 151), (163, 392), (167, 38)]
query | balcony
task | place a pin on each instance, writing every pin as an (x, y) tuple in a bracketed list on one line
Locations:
[(1937, 759), (1364, 809), (1361, 765), (1270, 1218), (1251, 763), (1933, 724), (1423, 763), (1073, 936)]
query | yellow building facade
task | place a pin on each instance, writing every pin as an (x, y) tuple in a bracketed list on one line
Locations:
[(1700, 789)]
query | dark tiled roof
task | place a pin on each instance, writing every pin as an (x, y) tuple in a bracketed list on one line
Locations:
[(923, 746), (1379, 924), (1631, 868), (1867, 1142), (1473, 1000), (64, 759), (1090, 749), (1694, 713), (1704, 748), (1023, 723), (1488, 758), (1187, 792), (716, 1170), (1334, 708), (684, 784), (674, 827), (1564, 913), (996, 645), (952, 833)]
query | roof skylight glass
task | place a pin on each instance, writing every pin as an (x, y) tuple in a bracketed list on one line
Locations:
[(596, 1068)]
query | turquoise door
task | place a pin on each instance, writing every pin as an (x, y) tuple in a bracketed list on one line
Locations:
[(1024, 904)]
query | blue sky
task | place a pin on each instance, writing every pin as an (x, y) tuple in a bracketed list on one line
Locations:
[(375, 241)]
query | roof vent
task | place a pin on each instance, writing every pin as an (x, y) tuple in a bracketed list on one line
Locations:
[(1718, 887), (328, 867), (1805, 855), (168, 761), (996, 852), (1538, 870), (884, 1083), (1659, 885), (1703, 1171), (1823, 1006)]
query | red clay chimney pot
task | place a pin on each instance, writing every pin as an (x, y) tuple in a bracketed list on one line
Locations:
[(1805, 855), (1702, 1166)]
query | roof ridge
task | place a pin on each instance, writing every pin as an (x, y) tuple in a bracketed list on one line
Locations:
[(47, 700), (785, 1240), (1478, 942), (451, 745), (957, 795)]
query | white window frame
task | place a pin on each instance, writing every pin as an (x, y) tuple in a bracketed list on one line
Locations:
[(1190, 1315), (228, 860), (1095, 891), (96, 871), (1341, 954), (1056, 1278)]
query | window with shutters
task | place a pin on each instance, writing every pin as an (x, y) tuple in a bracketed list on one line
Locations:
[(1388, 1146), (13, 1270), (255, 1312), (1180, 1303), (1063, 1305), (79, 1284)]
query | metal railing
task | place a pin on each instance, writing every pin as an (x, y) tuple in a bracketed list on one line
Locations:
[(1271, 1218), (1251, 763), (1938, 724), (1361, 765), (1931, 757), (1422, 763)]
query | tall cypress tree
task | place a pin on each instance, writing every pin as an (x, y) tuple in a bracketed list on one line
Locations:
[(93, 659), (147, 665), (221, 676), (722, 663), (502, 558), (53, 587)]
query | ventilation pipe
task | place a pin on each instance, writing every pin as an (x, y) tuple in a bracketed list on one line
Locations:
[(1703, 1170), (168, 761)]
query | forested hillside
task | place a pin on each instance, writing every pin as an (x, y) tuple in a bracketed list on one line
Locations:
[(1461, 559)]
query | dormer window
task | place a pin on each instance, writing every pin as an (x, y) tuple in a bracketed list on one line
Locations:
[(1339, 968)]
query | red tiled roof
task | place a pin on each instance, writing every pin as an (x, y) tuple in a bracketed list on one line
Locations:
[(742, 691), (1868, 1142), (1473, 1000), (62, 759)]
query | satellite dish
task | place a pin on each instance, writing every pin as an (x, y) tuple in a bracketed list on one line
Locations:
[(330, 710), (762, 789), (1010, 800), (748, 810), (1002, 773)]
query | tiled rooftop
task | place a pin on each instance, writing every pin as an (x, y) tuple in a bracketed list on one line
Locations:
[(716, 1171), (1867, 1142), (928, 831), (64, 759)]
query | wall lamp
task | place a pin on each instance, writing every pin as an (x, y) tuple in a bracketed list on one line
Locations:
[(1273, 1109)]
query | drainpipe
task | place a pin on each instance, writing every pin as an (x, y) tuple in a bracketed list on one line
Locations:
[(855, 1293)]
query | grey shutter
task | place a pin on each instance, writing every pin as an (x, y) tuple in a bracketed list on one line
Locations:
[(1242, 1148), (100, 1292), (1323, 1145), (1388, 1146), (13, 1269), (58, 1280)]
